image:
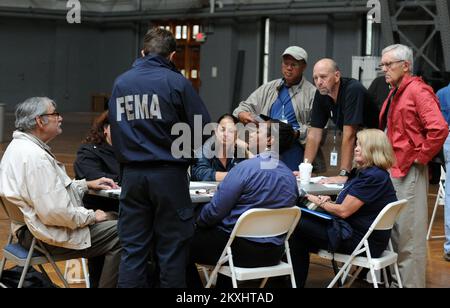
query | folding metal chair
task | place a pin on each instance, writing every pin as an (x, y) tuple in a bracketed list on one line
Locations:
[(361, 257), (258, 223), (440, 200), (37, 254)]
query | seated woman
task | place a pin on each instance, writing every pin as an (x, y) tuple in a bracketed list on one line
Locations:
[(215, 166), (95, 159), (363, 197), (260, 182)]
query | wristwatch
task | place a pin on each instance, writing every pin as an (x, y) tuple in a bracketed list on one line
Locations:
[(344, 172)]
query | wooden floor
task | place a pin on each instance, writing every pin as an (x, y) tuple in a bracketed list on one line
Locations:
[(75, 126)]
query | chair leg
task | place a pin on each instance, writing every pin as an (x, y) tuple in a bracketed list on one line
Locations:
[(27, 263), (355, 275), (386, 281), (3, 263), (55, 267), (2, 267), (263, 282), (86, 273), (433, 215), (374, 277), (44, 272)]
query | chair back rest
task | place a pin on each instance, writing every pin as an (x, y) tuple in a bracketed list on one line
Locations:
[(13, 212), (386, 218), (257, 223)]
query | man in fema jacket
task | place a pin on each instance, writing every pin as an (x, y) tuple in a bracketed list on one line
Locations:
[(416, 129)]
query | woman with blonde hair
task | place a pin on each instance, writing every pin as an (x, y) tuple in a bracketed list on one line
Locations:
[(368, 190)]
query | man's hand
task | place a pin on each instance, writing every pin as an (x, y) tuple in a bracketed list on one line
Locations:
[(246, 117), (100, 216), (102, 183), (334, 180)]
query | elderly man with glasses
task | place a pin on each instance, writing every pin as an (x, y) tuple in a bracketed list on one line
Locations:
[(32, 179), (288, 99), (417, 130)]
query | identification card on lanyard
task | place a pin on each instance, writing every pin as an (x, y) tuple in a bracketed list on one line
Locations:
[(334, 153)]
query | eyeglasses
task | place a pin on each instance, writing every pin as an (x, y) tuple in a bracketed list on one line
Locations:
[(389, 64), (56, 114), (292, 64)]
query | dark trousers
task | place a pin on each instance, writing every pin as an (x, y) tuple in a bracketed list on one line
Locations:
[(208, 244), (156, 216)]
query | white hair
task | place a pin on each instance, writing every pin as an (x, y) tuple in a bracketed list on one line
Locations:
[(31, 108), (401, 52)]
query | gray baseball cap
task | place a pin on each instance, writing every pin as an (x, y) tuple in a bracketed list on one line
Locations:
[(297, 53)]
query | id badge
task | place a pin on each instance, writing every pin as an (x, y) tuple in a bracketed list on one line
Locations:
[(333, 159)]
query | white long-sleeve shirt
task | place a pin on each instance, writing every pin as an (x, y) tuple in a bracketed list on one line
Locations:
[(32, 179)]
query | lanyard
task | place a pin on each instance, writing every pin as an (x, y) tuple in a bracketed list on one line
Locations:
[(337, 122)]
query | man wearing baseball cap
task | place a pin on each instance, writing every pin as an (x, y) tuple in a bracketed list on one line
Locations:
[(288, 99)]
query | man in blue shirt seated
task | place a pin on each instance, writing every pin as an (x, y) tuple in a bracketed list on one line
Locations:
[(261, 182)]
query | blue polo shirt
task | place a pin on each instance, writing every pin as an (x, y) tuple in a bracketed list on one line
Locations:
[(250, 185), (282, 109)]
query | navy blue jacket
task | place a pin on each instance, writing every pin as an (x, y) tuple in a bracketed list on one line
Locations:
[(146, 102)]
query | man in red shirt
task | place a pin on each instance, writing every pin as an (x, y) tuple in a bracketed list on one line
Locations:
[(417, 130)]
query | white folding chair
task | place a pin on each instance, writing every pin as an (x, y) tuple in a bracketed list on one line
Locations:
[(361, 257), (258, 223), (440, 200), (37, 254)]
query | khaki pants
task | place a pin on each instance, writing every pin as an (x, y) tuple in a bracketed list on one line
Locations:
[(410, 229), (104, 242)]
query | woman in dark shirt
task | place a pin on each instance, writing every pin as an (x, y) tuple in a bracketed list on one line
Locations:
[(95, 159), (361, 200), (214, 166)]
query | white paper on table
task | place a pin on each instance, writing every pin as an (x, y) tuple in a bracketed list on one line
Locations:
[(113, 191), (317, 179), (334, 186), (195, 185)]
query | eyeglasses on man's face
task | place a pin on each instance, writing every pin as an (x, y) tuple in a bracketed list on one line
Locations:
[(56, 114), (388, 65)]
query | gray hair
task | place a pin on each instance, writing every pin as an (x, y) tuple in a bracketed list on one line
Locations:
[(401, 52), (159, 41), (31, 108)]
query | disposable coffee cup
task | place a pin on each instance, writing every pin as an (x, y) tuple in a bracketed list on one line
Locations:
[(305, 172)]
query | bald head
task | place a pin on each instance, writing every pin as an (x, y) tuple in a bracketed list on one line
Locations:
[(327, 77), (328, 64)]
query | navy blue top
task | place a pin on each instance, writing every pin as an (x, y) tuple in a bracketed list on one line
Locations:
[(251, 184), (374, 187), (353, 107), (283, 110), (206, 163), (205, 169), (146, 102)]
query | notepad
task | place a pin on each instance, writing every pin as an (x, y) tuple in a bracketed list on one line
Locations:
[(318, 214)]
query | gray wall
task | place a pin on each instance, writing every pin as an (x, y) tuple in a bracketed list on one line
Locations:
[(71, 62), (66, 62)]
